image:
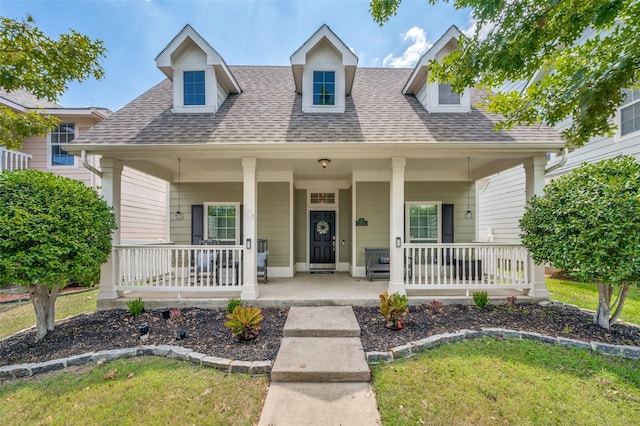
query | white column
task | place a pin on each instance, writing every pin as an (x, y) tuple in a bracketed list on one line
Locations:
[(396, 277), (250, 286), (535, 174), (111, 191)]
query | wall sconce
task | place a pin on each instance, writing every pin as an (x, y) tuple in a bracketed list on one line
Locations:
[(398, 242), (324, 162), (248, 244)]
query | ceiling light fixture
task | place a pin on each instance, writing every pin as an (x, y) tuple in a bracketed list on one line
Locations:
[(324, 162)]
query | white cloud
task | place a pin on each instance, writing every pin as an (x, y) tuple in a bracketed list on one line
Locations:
[(473, 27), (413, 53)]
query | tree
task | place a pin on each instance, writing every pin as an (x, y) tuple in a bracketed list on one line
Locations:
[(32, 61), (540, 38), (588, 223), (52, 230)]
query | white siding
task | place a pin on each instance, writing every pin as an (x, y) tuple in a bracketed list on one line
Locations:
[(501, 205), (144, 208), (222, 94)]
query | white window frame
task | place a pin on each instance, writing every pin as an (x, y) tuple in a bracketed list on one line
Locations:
[(450, 92), (433, 104), (407, 221), (206, 220), (50, 144), (619, 137), (210, 90)]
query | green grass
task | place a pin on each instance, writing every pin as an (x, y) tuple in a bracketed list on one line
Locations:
[(160, 392), (17, 316), (508, 382), (586, 296)]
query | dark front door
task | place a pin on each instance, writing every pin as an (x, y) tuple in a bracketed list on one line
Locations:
[(322, 250)]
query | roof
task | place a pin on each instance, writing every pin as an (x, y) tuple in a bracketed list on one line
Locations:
[(26, 99), (268, 111)]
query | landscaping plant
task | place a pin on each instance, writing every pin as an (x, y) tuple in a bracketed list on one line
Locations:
[(393, 308), (436, 306), (588, 224), (53, 230), (135, 306), (481, 299), (233, 302), (245, 322)]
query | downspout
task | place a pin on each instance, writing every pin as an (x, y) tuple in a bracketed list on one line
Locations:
[(85, 163), (562, 162)]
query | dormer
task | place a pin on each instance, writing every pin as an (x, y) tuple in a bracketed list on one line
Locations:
[(323, 72), (201, 79), (435, 96)]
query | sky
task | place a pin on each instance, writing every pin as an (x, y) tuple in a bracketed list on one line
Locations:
[(243, 32)]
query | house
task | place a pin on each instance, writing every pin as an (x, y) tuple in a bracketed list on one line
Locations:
[(502, 196), (144, 197), (323, 160)]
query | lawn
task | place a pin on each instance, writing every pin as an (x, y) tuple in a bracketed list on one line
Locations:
[(508, 382), (149, 391), (20, 315), (586, 296)]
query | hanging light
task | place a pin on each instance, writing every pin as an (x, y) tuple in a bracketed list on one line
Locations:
[(179, 214), (324, 162), (468, 214)]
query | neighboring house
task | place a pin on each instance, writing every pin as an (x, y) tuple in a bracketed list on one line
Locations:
[(501, 197), (324, 160), (144, 206)]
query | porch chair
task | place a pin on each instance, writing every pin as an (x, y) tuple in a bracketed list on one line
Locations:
[(205, 261), (261, 259)]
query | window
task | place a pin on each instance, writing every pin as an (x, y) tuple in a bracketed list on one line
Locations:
[(324, 88), (630, 112), (194, 88), (60, 136), (423, 222), (323, 198), (221, 223), (446, 96)]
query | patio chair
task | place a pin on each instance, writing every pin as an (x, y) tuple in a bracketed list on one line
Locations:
[(261, 259)]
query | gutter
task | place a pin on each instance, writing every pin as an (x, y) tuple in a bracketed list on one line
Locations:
[(562, 162), (85, 163)]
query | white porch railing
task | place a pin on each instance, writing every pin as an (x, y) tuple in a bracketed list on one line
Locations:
[(178, 267), (466, 266), (13, 160)]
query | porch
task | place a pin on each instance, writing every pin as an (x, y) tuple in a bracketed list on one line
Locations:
[(13, 160), (207, 276)]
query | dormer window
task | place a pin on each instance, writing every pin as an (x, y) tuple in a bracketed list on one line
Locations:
[(630, 112), (446, 96), (194, 88), (324, 88)]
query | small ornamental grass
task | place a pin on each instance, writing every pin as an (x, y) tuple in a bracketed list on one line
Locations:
[(245, 322), (135, 307), (233, 302), (481, 299)]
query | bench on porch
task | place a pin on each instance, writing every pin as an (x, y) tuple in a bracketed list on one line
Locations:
[(377, 261)]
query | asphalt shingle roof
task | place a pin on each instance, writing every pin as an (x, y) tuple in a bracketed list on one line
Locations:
[(26, 99), (269, 111)]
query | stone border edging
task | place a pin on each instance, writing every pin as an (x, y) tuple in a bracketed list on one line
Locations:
[(435, 341), (168, 351)]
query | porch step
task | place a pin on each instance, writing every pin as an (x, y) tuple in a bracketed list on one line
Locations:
[(320, 359), (321, 321)]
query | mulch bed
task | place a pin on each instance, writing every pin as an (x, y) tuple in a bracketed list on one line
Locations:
[(206, 333)]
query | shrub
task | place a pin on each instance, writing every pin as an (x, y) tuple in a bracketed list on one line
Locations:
[(481, 299), (135, 306), (245, 322), (393, 307), (175, 315), (231, 305), (436, 306), (512, 301)]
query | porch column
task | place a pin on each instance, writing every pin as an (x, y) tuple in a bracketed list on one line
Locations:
[(535, 175), (111, 191), (396, 276), (250, 285)]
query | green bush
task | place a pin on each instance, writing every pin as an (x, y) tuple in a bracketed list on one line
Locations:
[(245, 322), (233, 302), (135, 306), (481, 299)]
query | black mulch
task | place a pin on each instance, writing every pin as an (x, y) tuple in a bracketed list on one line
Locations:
[(207, 334)]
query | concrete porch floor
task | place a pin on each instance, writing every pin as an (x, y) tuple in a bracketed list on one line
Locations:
[(305, 289)]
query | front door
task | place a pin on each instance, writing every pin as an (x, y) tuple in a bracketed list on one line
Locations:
[(322, 239)]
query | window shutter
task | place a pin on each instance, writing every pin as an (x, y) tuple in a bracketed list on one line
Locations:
[(197, 221), (447, 223)]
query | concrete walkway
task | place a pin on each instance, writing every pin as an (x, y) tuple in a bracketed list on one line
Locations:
[(320, 376)]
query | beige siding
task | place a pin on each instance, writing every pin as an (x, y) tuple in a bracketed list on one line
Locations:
[(274, 212), (198, 193), (344, 220), (144, 208), (372, 203), (501, 205), (300, 225), (448, 193)]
